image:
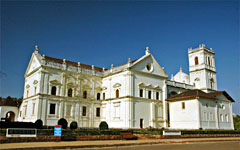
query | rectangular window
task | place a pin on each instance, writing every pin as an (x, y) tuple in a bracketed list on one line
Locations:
[(157, 95), (97, 112), (149, 94), (52, 108), (33, 108), (84, 111), (183, 105), (141, 93)]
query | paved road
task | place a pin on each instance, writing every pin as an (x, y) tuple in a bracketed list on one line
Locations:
[(228, 145)]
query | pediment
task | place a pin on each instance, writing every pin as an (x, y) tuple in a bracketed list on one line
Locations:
[(116, 85), (148, 64), (33, 64), (104, 88), (55, 82)]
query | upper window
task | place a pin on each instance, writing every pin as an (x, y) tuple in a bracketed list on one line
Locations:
[(54, 90), (209, 62), (149, 94), (85, 94), (52, 108), (196, 60), (149, 67), (117, 93), (70, 91), (141, 92), (98, 96), (157, 95)]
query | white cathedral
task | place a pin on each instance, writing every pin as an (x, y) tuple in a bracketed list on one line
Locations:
[(136, 94)]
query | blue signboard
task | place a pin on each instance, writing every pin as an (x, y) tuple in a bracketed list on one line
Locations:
[(58, 130)]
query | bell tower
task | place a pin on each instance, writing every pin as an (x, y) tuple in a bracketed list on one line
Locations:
[(202, 68)]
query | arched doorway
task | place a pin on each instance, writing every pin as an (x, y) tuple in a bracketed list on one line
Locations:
[(10, 116)]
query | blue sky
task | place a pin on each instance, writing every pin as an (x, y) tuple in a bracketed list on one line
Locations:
[(102, 33)]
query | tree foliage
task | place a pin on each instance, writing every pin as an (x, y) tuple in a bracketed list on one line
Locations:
[(73, 125), (103, 125), (236, 122), (63, 122)]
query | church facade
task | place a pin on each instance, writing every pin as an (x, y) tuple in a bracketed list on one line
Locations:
[(136, 94)]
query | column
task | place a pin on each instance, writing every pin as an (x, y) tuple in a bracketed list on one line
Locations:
[(165, 109), (46, 84), (152, 113)]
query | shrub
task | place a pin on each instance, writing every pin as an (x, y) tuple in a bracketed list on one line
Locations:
[(39, 124), (103, 125), (63, 122), (73, 125)]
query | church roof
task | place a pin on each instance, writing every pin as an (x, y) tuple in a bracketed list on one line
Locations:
[(57, 60), (217, 93), (10, 102), (190, 94)]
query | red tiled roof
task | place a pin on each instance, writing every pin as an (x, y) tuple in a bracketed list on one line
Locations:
[(10, 102), (189, 94), (73, 63), (216, 93)]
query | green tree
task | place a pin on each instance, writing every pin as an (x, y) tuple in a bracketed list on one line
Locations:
[(236, 122)]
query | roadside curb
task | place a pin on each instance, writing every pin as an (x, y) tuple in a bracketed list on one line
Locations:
[(175, 141)]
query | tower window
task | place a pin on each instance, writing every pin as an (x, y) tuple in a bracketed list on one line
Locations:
[(209, 62), (103, 96), (85, 94), (196, 60), (70, 92), (117, 93), (98, 96), (141, 92), (54, 90), (211, 83)]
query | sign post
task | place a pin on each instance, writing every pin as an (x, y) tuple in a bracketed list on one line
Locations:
[(57, 130)]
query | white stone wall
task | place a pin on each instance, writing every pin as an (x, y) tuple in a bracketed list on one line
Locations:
[(187, 118), (225, 116), (208, 114)]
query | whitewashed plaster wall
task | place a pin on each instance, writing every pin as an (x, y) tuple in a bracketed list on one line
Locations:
[(187, 118), (208, 114)]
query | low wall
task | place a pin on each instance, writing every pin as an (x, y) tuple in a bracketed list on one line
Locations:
[(152, 136), (4, 139)]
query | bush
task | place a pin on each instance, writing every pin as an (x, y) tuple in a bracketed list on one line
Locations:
[(103, 125), (63, 122), (73, 125), (39, 124)]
